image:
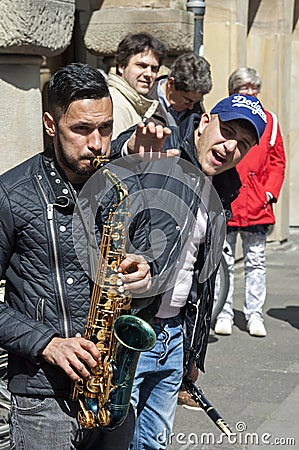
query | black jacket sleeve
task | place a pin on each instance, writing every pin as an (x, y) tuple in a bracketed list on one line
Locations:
[(18, 333)]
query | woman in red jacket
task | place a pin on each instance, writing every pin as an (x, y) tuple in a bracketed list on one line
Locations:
[(261, 173)]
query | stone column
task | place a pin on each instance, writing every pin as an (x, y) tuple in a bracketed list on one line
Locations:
[(29, 30), (225, 28), (269, 51), (257, 34), (293, 103), (21, 124)]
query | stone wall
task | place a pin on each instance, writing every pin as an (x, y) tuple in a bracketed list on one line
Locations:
[(256, 34), (29, 31)]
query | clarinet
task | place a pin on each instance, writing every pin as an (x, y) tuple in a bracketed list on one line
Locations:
[(198, 396)]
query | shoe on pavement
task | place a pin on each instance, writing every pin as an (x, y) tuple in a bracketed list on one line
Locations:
[(223, 326), (256, 327), (187, 402)]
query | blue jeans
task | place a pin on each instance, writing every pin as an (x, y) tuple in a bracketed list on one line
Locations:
[(38, 423), (254, 245), (157, 382)]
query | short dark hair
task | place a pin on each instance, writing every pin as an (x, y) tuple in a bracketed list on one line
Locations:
[(191, 72), (132, 44), (75, 81)]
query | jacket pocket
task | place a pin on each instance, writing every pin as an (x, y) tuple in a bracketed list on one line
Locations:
[(40, 310), (256, 199), (36, 308)]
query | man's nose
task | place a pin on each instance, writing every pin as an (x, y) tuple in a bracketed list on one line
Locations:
[(148, 71), (190, 105), (230, 145), (95, 141)]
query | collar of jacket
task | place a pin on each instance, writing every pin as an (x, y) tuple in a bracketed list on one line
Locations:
[(182, 137), (64, 192), (142, 105)]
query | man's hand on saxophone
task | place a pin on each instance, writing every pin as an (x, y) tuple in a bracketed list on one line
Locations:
[(75, 354), (137, 278), (72, 355)]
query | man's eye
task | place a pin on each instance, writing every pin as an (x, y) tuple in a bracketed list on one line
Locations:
[(81, 129), (227, 133), (105, 128), (243, 146)]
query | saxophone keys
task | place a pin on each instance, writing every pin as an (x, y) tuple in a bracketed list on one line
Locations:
[(113, 279), (111, 293), (93, 386), (120, 226), (101, 344), (103, 417), (115, 236), (114, 266), (86, 418)]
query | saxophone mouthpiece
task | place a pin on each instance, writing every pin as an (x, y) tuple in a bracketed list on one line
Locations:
[(98, 161)]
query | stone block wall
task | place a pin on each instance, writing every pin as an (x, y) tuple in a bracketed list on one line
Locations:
[(108, 26), (36, 26), (29, 31)]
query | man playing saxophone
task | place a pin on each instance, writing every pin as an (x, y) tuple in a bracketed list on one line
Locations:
[(47, 289)]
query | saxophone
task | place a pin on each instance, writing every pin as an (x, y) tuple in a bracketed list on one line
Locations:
[(104, 399)]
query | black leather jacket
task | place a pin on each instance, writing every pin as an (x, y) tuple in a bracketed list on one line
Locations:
[(47, 291)]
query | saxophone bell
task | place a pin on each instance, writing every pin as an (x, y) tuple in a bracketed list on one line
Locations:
[(133, 335), (104, 399)]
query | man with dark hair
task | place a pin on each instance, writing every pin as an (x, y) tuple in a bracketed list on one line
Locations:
[(180, 94), (138, 59), (48, 290)]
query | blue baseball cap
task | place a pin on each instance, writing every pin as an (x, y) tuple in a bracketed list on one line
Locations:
[(245, 107)]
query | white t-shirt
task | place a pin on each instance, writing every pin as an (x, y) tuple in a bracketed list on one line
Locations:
[(175, 297)]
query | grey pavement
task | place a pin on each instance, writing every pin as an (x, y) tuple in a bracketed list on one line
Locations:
[(253, 382)]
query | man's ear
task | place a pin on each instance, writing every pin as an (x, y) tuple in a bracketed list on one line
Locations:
[(50, 125), (120, 70), (204, 121)]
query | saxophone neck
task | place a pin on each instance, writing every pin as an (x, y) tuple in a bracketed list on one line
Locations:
[(120, 188)]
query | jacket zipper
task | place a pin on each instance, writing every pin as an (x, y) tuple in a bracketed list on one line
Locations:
[(50, 214)]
